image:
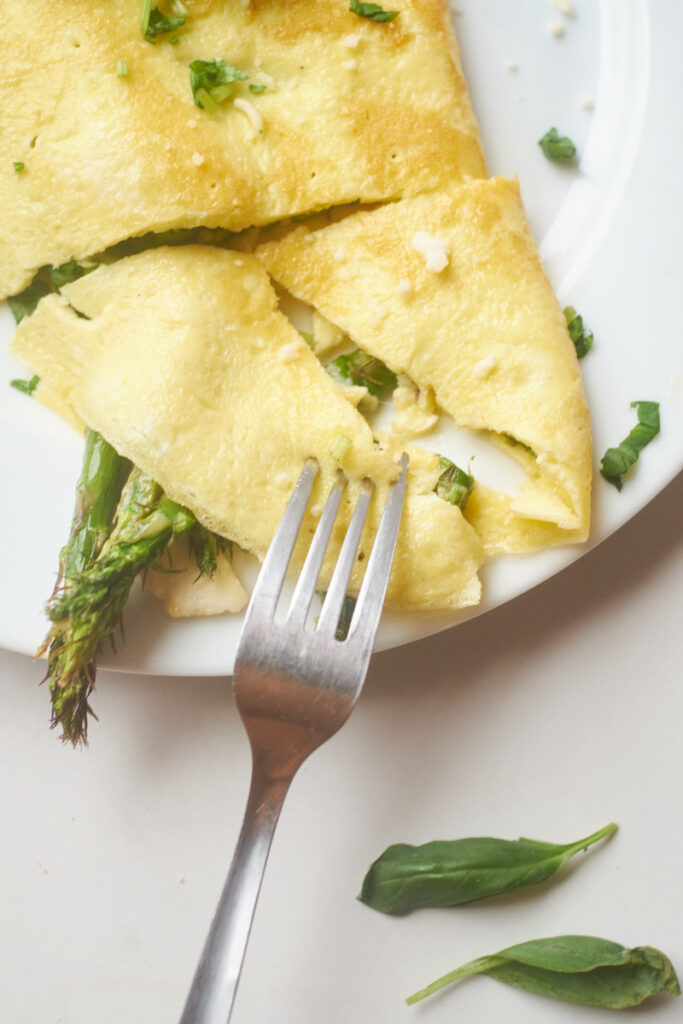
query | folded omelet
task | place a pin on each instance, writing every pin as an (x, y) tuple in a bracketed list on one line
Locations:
[(180, 358), (448, 288), (334, 108)]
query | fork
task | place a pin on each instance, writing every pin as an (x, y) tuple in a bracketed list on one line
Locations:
[(294, 689)]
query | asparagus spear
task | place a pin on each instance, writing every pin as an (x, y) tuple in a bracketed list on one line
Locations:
[(86, 610), (206, 547)]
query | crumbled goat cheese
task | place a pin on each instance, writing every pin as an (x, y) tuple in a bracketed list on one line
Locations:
[(484, 366), (556, 28), (434, 250), (192, 123), (289, 352), (351, 41), (198, 159), (512, 65), (339, 255), (316, 510), (565, 7), (587, 103), (404, 289), (326, 335), (252, 113), (350, 65), (282, 480)]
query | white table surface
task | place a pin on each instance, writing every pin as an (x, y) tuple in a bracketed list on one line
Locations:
[(548, 717)]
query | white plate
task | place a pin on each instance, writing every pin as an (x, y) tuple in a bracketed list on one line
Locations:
[(607, 236)]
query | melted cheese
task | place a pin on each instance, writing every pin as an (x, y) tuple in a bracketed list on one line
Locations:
[(178, 367), (492, 307), (109, 157)]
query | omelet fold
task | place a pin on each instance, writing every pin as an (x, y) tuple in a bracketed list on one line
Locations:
[(182, 361), (448, 287), (348, 110)]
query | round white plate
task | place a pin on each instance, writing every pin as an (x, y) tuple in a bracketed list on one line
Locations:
[(607, 235)]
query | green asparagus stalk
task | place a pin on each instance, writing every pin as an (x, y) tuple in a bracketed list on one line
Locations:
[(86, 610), (206, 548)]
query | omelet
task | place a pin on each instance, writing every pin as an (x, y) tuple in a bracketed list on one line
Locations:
[(448, 288), (103, 140), (181, 359)]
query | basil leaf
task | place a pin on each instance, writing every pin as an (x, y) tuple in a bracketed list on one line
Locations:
[(617, 461), (27, 387), (18, 166), (583, 342), (256, 89), (557, 147), (372, 11), (359, 368), (576, 969), (451, 873), (454, 484), (48, 279), (159, 24), (213, 81)]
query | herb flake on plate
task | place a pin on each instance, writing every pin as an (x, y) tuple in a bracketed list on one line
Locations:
[(557, 147)]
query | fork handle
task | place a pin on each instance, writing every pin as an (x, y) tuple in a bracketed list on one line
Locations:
[(212, 994)]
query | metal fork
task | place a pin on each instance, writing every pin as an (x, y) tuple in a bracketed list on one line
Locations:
[(294, 689)]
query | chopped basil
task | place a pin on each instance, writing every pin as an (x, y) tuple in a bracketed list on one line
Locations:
[(509, 439), (583, 342), (345, 616), (617, 461), (340, 447), (48, 279), (557, 147), (454, 484), (256, 88), (213, 81), (27, 387), (18, 166), (160, 24), (359, 368), (372, 11), (121, 68)]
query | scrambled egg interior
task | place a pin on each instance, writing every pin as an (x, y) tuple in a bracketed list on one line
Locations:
[(182, 361), (349, 110), (448, 288)]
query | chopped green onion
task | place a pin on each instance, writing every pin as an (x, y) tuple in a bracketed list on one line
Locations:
[(178, 7), (617, 461), (557, 147), (340, 447), (145, 15), (203, 100), (454, 484), (18, 166), (257, 89), (121, 68), (27, 387), (583, 342), (372, 11)]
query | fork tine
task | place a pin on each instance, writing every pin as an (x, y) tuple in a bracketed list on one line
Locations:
[(305, 587), (274, 569), (368, 608), (332, 606)]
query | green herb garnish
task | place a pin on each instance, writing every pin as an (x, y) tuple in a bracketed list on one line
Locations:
[(160, 24), (454, 484), (452, 873), (213, 81), (48, 279), (340, 447), (372, 11), (18, 166), (121, 68), (557, 147), (27, 387), (361, 369), (576, 969), (617, 461), (256, 89), (583, 342), (509, 439)]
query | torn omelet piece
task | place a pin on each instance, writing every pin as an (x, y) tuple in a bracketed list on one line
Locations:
[(350, 109), (182, 361), (448, 288)]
